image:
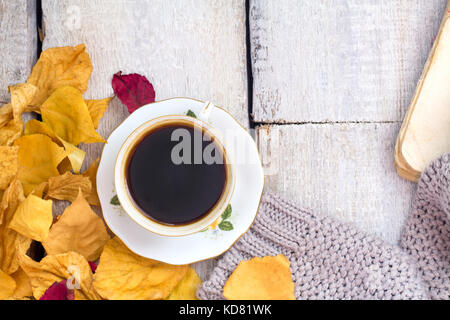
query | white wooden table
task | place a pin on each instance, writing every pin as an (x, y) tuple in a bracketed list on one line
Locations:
[(324, 84)]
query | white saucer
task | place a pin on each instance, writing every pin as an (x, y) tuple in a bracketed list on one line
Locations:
[(202, 245)]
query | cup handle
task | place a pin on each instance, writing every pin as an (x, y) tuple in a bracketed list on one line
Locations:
[(205, 111)]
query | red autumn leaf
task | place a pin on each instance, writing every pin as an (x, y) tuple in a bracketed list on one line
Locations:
[(70, 295), (58, 291), (93, 266), (134, 90)]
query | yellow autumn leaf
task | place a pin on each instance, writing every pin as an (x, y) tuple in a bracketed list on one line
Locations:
[(7, 286), (11, 198), (69, 266), (267, 278), (34, 126), (66, 113), (78, 229), (33, 218), (67, 186), (96, 109), (91, 173), (12, 243), (23, 285), (74, 154), (123, 275), (64, 166), (10, 132), (8, 165), (40, 190), (57, 67), (21, 96), (6, 114), (187, 287), (39, 157)]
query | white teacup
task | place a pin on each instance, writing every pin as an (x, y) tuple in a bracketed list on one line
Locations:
[(126, 199)]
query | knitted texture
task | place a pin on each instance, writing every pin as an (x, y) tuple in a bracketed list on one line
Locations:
[(426, 237), (331, 260)]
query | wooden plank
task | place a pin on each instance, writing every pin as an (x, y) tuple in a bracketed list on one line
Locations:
[(186, 48), (339, 60), (18, 43), (341, 170)]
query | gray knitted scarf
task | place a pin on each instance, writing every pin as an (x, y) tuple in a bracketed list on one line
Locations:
[(330, 260)]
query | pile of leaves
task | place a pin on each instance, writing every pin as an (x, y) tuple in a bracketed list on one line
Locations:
[(40, 163)]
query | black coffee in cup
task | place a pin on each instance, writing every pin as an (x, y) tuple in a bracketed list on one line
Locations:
[(168, 177)]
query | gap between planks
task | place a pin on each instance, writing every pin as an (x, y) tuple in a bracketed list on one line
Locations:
[(259, 124)]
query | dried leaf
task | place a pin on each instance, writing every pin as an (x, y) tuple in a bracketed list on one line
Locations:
[(187, 287), (40, 190), (67, 186), (21, 96), (33, 218), (7, 286), (93, 266), (121, 274), (70, 266), (267, 278), (64, 166), (58, 291), (11, 198), (96, 109), (23, 285), (8, 165), (34, 126), (78, 295), (58, 67), (91, 173), (134, 90), (10, 132), (6, 114), (78, 229), (12, 243), (74, 154), (66, 113), (39, 157)]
